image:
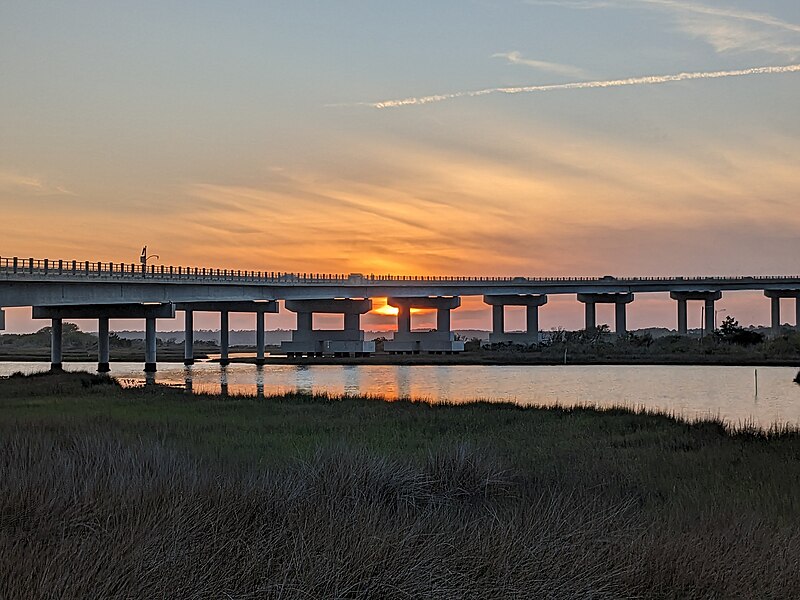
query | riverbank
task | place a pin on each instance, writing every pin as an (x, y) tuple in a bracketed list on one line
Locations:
[(465, 358), (152, 492)]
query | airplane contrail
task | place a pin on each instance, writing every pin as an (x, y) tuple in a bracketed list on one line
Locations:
[(582, 85)]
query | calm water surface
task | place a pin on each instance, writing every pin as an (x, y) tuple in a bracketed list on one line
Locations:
[(689, 391)]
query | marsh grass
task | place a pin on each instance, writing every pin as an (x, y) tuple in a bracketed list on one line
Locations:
[(113, 493)]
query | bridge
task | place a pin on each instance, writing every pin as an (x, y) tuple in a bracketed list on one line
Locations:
[(70, 289)]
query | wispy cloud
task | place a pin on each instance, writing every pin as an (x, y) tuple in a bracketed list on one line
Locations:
[(582, 85), (18, 183), (516, 58), (726, 29)]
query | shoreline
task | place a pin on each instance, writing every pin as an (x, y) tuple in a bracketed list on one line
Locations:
[(462, 360)]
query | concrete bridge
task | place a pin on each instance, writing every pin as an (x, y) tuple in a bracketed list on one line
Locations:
[(60, 289)]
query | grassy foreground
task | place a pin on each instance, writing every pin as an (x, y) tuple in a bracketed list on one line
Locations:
[(112, 493)]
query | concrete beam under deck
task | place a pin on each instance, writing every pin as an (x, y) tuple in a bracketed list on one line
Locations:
[(333, 306), (237, 306), (111, 311)]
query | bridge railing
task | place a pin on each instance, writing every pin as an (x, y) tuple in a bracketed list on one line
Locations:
[(22, 267)]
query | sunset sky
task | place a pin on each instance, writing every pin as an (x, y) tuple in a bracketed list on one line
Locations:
[(246, 135)]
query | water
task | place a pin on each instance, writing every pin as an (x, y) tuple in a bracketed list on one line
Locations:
[(690, 391)]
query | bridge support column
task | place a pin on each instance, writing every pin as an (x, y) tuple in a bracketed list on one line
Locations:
[(56, 332), (443, 320), (710, 325), (775, 313), (620, 301), (589, 315), (498, 322), (775, 297), (683, 327), (224, 338), (150, 345), (259, 338), (188, 340), (103, 361), (317, 342), (404, 319), (797, 313), (620, 318), (709, 299), (531, 304)]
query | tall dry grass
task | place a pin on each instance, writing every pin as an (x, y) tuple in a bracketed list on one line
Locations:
[(85, 515)]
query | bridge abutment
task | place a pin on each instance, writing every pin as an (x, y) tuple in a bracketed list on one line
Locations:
[(348, 341), (620, 301), (406, 341), (531, 304)]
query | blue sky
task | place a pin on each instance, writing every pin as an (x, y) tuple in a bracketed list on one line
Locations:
[(237, 134)]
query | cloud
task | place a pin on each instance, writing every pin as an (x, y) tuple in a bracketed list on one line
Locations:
[(26, 184), (725, 29), (515, 58), (582, 85)]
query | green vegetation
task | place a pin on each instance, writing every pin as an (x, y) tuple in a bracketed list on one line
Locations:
[(111, 492), (81, 346), (730, 344)]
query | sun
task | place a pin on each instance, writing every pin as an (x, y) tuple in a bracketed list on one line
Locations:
[(379, 307)]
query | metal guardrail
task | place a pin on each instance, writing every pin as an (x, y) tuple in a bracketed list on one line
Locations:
[(22, 267)]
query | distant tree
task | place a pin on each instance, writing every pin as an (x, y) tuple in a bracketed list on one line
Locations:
[(731, 332), (644, 340)]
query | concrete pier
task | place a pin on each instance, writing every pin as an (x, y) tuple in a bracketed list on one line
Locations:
[(104, 312), (150, 345), (531, 304), (224, 338), (775, 312), (224, 308), (709, 298), (56, 332), (188, 340), (406, 341), (260, 336), (331, 342), (620, 301), (103, 354)]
